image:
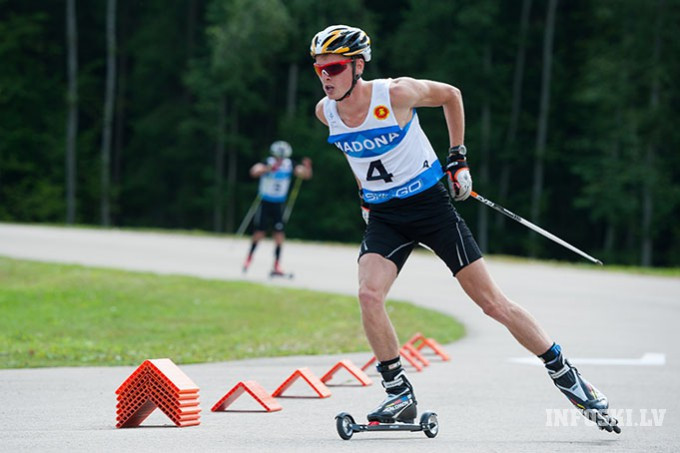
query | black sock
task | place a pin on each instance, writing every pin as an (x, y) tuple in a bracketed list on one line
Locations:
[(553, 358), (389, 369), (277, 253), (253, 246)]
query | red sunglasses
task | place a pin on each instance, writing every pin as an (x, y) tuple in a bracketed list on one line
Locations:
[(331, 69)]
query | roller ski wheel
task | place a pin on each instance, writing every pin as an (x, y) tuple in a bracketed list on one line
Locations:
[(279, 274), (603, 420), (346, 425), (430, 424)]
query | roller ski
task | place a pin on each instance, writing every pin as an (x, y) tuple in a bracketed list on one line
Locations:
[(277, 272), (584, 396), (346, 425), (397, 412)]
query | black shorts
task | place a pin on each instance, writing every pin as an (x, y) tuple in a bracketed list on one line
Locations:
[(395, 227), (269, 214)]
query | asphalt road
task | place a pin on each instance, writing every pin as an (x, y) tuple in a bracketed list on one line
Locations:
[(489, 397)]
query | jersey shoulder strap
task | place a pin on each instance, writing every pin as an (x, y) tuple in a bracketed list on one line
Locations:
[(379, 113)]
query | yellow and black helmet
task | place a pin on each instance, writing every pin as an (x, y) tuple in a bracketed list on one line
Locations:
[(342, 40)]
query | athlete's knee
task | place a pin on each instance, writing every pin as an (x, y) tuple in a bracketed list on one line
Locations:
[(499, 308), (370, 298)]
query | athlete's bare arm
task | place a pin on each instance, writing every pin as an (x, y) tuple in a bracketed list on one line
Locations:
[(407, 93), (319, 112), (258, 170), (304, 170)]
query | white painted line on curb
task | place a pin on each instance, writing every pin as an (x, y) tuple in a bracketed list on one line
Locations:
[(647, 359)]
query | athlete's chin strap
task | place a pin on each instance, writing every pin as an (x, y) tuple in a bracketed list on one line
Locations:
[(355, 78)]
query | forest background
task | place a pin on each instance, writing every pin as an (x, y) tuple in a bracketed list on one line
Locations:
[(150, 113)]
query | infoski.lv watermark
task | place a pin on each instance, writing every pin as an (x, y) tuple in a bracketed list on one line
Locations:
[(625, 417)]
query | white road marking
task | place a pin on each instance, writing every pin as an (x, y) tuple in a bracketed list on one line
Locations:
[(647, 359)]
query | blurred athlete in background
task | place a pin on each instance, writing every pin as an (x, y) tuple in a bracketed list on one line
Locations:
[(275, 173)]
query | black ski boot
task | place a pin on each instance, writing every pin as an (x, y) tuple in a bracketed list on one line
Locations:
[(584, 396), (400, 403)]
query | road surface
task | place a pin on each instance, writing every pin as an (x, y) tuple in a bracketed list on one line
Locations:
[(622, 329)]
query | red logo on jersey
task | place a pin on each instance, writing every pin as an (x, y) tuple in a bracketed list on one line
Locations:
[(381, 112)]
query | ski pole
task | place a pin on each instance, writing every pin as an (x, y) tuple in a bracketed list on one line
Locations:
[(530, 225), (292, 199), (249, 215)]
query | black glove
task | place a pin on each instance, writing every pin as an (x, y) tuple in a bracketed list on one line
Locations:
[(460, 181)]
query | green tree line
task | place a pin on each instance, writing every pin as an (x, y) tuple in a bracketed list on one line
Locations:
[(150, 113)]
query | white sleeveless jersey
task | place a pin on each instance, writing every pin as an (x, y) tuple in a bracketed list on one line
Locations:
[(274, 184), (389, 161)]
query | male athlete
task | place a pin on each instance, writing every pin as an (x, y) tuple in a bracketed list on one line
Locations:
[(275, 174), (375, 124)]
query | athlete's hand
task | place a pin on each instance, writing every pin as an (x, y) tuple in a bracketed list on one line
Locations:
[(304, 170), (307, 162), (458, 172)]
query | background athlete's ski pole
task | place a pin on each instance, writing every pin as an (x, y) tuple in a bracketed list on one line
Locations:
[(291, 200), (536, 228), (249, 215)]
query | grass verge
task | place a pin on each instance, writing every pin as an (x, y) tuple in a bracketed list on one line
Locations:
[(64, 315)]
